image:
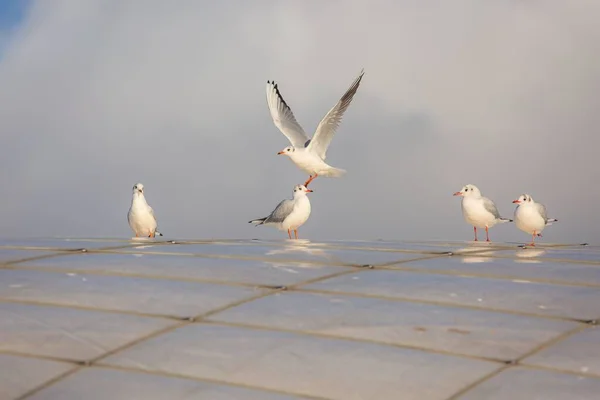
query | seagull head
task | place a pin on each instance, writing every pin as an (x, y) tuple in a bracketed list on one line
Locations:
[(138, 188), (524, 198), (287, 151), (469, 190), (301, 190)]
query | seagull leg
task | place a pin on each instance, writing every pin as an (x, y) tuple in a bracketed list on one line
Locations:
[(487, 236), (533, 239), (310, 179), (475, 230), (296, 233), (289, 234), (136, 235)]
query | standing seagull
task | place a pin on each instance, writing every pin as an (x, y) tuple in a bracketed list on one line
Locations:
[(141, 216), (289, 214), (531, 217), (309, 154), (479, 211)]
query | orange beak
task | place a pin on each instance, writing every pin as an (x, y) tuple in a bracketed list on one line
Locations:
[(457, 194), (281, 152), (309, 190), (516, 201)]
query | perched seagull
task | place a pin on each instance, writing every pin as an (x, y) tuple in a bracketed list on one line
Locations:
[(531, 217), (309, 154), (289, 214), (479, 211), (141, 216)]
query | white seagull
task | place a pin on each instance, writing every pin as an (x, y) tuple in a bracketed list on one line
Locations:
[(141, 216), (479, 211), (309, 154), (531, 217), (290, 214)]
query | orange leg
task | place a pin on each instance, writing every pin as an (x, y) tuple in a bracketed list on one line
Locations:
[(151, 235), (487, 235), (296, 233), (289, 234), (310, 179), (533, 239), (136, 235), (475, 230)]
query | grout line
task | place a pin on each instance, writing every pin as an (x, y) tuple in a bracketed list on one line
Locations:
[(207, 380), (517, 361), (352, 339), (559, 370), (438, 303)]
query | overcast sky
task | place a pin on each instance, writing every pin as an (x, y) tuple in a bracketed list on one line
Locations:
[(99, 95)]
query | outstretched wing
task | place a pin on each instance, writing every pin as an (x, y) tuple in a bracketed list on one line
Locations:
[(283, 117), (491, 207), (542, 210), (280, 212), (328, 125)]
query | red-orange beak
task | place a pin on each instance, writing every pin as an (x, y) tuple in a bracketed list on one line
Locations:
[(516, 201), (457, 194), (309, 190), (281, 152)]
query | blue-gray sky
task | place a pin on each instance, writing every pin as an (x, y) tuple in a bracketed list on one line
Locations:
[(98, 95)]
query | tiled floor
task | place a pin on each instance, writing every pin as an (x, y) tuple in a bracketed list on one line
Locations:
[(238, 320)]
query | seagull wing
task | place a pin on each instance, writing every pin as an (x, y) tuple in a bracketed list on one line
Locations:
[(283, 117), (281, 212), (491, 207), (328, 125)]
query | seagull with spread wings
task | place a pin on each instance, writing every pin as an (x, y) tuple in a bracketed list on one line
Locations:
[(309, 154)]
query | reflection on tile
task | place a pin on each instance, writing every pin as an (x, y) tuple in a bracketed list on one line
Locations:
[(526, 384), (577, 353), (151, 296), (579, 254), (521, 267), (300, 251), (7, 255), (544, 299), (19, 375), (102, 384), (64, 244), (185, 267), (68, 333), (300, 364), (451, 329)]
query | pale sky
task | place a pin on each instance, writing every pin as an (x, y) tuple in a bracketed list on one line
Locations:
[(99, 95)]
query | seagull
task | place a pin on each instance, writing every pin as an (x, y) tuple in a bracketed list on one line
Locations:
[(531, 217), (141, 216), (479, 211), (309, 154), (290, 214)]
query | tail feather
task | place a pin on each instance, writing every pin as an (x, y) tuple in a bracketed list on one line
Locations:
[(157, 233), (334, 172), (551, 220), (258, 222), (505, 219)]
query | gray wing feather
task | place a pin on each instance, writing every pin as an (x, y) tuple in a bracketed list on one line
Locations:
[(283, 117), (280, 212), (542, 210), (328, 125), (491, 207)]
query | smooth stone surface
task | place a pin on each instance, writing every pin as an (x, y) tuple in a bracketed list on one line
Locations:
[(69, 333), (299, 364), (103, 384), (450, 329), (579, 353), (19, 375), (527, 384), (147, 296), (186, 267), (536, 298)]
